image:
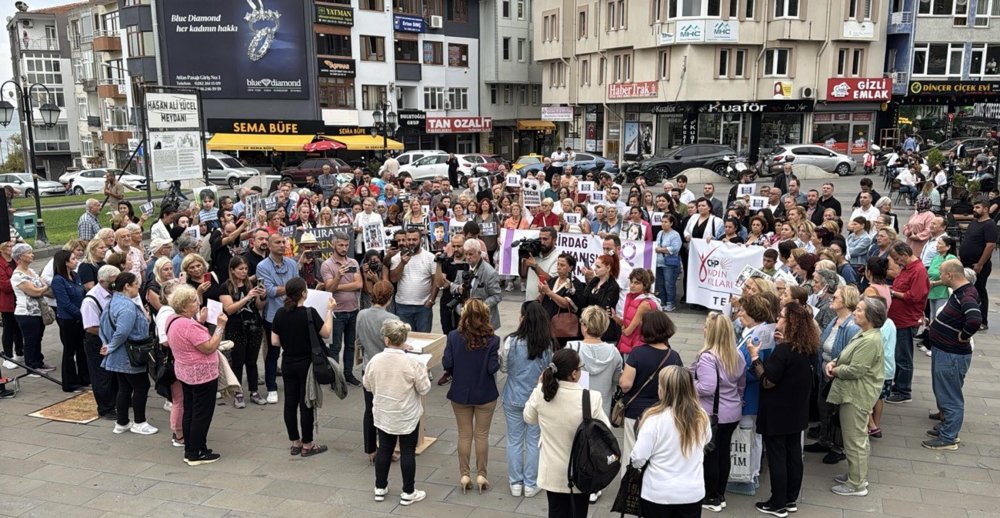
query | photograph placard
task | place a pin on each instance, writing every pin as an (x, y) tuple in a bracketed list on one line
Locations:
[(532, 193), (758, 203), (746, 189)]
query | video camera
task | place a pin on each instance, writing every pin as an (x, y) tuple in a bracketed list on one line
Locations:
[(528, 248), (460, 298)]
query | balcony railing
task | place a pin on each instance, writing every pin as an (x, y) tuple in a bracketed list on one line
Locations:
[(900, 82), (900, 22), (28, 43)]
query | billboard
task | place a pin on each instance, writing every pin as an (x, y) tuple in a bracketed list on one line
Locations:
[(254, 49)]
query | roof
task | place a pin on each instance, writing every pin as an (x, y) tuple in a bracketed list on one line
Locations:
[(59, 9)]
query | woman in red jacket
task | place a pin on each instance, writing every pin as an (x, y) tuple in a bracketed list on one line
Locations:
[(13, 345), (638, 302)]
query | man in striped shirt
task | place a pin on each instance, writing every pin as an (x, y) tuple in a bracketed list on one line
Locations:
[(950, 337)]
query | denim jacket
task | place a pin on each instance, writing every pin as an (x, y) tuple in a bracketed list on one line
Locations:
[(670, 239), (522, 373), (122, 320), (751, 394), (844, 335)]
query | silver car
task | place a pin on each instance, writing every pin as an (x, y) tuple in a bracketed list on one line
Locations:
[(23, 184), (812, 154)]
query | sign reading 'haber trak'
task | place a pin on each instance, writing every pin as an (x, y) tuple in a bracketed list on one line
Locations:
[(459, 124), (630, 90), (846, 89)]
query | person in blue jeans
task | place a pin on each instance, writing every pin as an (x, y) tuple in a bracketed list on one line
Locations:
[(342, 277), (413, 272), (274, 272), (523, 356), (668, 262)]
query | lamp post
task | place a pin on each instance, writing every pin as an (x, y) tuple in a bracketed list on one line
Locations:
[(385, 122), (50, 115)]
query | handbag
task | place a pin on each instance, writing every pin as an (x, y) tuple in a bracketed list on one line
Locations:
[(713, 419), (139, 351), (322, 371), (48, 315), (618, 407), (161, 366), (740, 447), (565, 325), (630, 492)]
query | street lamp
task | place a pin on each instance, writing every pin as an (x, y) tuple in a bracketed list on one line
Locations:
[(50, 115), (385, 122)]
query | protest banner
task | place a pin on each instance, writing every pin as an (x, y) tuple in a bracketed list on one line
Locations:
[(586, 248), (532, 193), (324, 238), (713, 269), (758, 202), (746, 189)]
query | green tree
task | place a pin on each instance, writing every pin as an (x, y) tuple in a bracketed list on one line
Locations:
[(13, 154)]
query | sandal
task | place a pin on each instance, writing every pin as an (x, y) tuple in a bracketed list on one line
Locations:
[(295, 450), (875, 432), (315, 450)]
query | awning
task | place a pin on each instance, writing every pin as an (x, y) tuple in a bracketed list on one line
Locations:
[(367, 143), (535, 125), (249, 142)]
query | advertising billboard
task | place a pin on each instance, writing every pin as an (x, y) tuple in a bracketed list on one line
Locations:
[(255, 49)]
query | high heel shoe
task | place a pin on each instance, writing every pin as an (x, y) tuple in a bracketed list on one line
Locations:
[(483, 483), (465, 483)]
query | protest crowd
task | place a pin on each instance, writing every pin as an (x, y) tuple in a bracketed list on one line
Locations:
[(810, 336)]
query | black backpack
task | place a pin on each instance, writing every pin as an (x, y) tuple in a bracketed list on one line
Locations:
[(595, 458)]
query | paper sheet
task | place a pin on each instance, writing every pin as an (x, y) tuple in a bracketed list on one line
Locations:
[(422, 358), (418, 344), (214, 310), (318, 300)]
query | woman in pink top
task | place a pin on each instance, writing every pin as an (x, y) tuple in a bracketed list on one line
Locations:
[(638, 302), (196, 365), (516, 220)]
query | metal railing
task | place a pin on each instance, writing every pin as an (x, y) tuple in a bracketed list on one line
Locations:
[(28, 43)]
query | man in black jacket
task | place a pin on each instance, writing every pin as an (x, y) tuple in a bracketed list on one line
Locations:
[(827, 201)]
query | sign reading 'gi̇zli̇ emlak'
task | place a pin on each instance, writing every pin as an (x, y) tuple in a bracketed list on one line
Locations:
[(846, 89)]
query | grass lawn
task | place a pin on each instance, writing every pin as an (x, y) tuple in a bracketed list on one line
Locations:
[(60, 224), (29, 203)]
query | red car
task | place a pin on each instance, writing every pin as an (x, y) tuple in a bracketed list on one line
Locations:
[(314, 167), (490, 162)]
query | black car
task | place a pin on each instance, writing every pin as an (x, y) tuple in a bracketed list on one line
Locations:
[(681, 158)]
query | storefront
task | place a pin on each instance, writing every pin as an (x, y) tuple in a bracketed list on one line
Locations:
[(458, 134), (253, 139), (846, 121), (537, 135), (955, 102)]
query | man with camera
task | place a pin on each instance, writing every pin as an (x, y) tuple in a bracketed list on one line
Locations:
[(341, 277), (539, 267), (413, 271), (479, 281)]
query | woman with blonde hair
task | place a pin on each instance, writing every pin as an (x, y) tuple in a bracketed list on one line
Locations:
[(194, 268), (719, 369), (472, 356), (163, 271), (671, 445), (93, 260), (601, 360), (106, 235), (325, 217)]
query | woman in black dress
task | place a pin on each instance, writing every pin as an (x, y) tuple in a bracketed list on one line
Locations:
[(559, 294), (603, 291)]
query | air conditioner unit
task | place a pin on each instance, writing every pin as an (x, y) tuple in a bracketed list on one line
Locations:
[(28, 23), (437, 22), (447, 104), (807, 92)]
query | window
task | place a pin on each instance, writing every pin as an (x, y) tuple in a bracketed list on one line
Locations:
[(850, 62), (731, 63), (82, 108), (600, 71), (562, 74), (986, 9), (521, 46), (664, 65), (333, 45), (371, 95), (372, 48), (505, 49), (695, 8), (655, 8), (786, 8), (536, 95), (740, 63), (522, 95), (48, 72), (433, 53), (617, 68), (622, 14), (581, 25), (407, 6), (750, 9), (520, 9), (139, 43), (406, 51), (458, 55), (985, 59), (372, 5), (459, 98), (493, 94), (505, 8), (456, 11), (612, 23), (723, 70), (627, 67), (87, 145), (858, 57), (937, 59), (336, 93), (433, 98), (585, 72), (508, 94), (109, 23), (864, 5), (776, 62)]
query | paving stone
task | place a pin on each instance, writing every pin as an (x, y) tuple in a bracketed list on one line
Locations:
[(179, 492)]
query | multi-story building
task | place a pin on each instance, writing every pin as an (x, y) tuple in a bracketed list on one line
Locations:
[(511, 79), (40, 54), (643, 77)]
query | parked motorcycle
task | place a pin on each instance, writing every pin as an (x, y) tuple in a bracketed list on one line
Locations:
[(736, 166)]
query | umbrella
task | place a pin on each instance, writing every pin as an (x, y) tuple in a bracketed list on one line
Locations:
[(322, 145)]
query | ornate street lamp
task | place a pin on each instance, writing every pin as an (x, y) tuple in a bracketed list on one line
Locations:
[(385, 122)]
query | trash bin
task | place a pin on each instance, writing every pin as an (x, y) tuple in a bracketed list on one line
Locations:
[(24, 223)]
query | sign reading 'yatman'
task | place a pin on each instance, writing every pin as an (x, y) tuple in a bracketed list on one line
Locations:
[(459, 124), (333, 15), (954, 88), (630, 90), (336, 67), (845, 89)]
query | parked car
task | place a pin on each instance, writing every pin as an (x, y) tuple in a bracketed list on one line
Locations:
[(973, 146), (409, 157), (489, 162), (92, 180), (313, 167), (226, 170), (526, 160), (812, 154), (23, 184), (583, 162), (676, 160), (432, 166)]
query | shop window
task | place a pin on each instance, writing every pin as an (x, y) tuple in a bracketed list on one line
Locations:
[(776, 62), (786, 8), (371, 96), (695, 8), (522, 45), (663, 63), (458, 55), (433, 98), (456, 11), (372, 5), (937, 59), (372, 48), (406, 51), (985, 60), (336, 93), (505, 8), (333, 44), (407, 7), (433, 53), (459, 98)]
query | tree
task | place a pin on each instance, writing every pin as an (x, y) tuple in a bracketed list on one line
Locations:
[(14, 154)]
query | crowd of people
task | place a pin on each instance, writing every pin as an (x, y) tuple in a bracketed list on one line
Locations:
[(825, 337)]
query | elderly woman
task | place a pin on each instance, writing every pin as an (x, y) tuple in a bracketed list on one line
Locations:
[(545, 217), (612, 224), (194, 271), (889, 218), (107, 236), (857, 375), (163, 271), (196, 365), (371, 342), (13, 345), (175, 396), (29, 288), (121, 321)]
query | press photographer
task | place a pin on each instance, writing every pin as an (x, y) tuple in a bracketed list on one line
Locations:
[(541, 266), (449, 263), (480, 281)]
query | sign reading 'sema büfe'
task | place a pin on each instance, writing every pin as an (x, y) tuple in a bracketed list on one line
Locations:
[(174, 143)]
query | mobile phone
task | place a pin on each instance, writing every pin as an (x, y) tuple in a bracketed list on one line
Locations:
[(206, 278), (352, 269), (260, 285)]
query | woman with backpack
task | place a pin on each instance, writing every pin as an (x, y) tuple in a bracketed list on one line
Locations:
[(671, 445), (556, 406)]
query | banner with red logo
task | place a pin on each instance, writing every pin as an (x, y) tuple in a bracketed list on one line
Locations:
[(459, 124), (858, 89), (712, 270)]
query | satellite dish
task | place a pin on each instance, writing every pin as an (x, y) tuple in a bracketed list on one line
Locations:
[(21, 6)]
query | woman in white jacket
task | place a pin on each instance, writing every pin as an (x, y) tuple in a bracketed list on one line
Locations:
[(670, 444)]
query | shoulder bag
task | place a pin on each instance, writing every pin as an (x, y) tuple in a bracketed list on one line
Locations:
[(138, 351), (48, 315), (618, 405), (714, 418), (320, 364)]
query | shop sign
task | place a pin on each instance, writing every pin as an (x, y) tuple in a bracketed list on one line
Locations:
[(346, 131), (691, 31), (413, 119), (722, 31), (856, 29), (404, 23), (703, 31), (923, 88), (333, 15), (863, 89), (782, 89), (459, 124), (557, 113), (630, 90), (336, 67), (265, 126), (756, 107)]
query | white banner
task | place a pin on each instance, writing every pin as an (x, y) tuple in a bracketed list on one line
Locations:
[(584, 247), (713, 269), (174, 143)]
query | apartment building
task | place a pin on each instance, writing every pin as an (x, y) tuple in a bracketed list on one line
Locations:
[(642, 77), (40, 55)]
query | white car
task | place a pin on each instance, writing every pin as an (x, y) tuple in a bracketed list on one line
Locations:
[(409, 157), (23, 185), (226, 170), (435, 165), (92, 181)]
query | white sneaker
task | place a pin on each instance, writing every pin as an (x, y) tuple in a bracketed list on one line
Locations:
[(411, 498), (530, 492), (595, 496), (143, 429), (218, 395), (516, 489), (272, 397), (167, 406), (9, 365), (928, 353), (19, 358), (380, 494), (122, 428)]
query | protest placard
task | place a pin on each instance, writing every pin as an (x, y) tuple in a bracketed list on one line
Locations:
[(586, 187), (713, 268), (758, 202), (532, 193), (513, 181), (374, 236), (746, 189), (656, 218)]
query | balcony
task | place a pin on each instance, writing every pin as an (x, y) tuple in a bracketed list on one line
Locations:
[(28, 43), (115, 137), (105, 41), (110, 88), (900, 82), (900, 23)]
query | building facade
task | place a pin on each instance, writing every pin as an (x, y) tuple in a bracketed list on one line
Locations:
[(643, 77), (40, 54)]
